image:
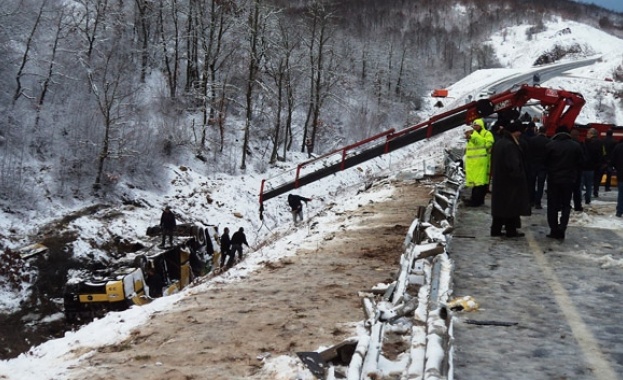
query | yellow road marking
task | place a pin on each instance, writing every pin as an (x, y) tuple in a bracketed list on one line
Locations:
[(589, 345)]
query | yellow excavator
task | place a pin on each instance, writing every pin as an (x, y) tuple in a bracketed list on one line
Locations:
[(151, 272)]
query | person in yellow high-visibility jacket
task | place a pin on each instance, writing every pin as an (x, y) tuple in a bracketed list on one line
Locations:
[(478, 161)]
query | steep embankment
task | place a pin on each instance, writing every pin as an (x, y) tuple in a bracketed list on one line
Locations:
[(296, 304)]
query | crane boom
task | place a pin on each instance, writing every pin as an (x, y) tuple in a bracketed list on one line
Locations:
[(560, 108)]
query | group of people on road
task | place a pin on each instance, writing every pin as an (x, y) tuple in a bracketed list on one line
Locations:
[(517, 160)]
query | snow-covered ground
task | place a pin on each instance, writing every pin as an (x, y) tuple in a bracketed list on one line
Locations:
[(235, 197)]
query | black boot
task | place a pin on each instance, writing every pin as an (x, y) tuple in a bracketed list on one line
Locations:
[(514, 234), (556, 234), (496, 232)]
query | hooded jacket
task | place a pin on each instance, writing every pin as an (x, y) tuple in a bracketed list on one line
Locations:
[(478, 158)]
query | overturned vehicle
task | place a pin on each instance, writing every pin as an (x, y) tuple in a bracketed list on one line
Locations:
[(151, 271)]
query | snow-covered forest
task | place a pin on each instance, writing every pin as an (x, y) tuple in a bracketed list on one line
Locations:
[(96, 91)]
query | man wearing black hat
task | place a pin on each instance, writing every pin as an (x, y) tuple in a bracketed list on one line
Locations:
[(509, 185), (563, 158), (167, 223)]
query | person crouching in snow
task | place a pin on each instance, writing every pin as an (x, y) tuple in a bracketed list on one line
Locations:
[(296, 206)]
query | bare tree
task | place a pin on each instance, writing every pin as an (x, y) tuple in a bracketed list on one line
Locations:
[(29, 43), (46, 82), (143, 11), (320, 71), (279, 67), (170, 45), (193, 31), (89, 22), (255, 56), (216, 24), (111, 88)]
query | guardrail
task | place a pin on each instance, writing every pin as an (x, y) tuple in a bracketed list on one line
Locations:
[(409, 312)]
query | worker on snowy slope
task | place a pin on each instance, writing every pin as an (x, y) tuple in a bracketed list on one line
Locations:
[(478, 161)]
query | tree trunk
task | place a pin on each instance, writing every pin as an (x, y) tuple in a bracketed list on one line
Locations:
[(253, 68), (29, 43), (46, 82)]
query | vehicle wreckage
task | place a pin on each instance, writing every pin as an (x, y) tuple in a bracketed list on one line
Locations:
[(150, 272)]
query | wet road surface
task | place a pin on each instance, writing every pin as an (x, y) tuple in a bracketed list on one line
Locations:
[(547, 309)]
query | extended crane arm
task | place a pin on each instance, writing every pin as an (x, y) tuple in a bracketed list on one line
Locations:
[(561, 108)]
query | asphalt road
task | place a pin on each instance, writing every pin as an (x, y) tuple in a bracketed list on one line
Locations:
[(545, 72), (548, 309)]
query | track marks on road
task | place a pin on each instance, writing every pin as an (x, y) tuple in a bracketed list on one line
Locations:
[(587, 342)]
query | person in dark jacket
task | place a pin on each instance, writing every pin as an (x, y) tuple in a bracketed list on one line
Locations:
[(538, 170), (594, 155), (226, 251), (563, 158), (509, 186), (154, 282), (167, 224), (577, 185), (616, 162), (609, 144), (296, 206), (237, 240)]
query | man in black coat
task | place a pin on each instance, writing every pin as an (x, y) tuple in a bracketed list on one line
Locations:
[(538, 169), (509, 185), (167, 223), (595, 158), (237, 240), (616, 162), (609, 144), (226, 249), (296, 206), (563, 157), (577, 186)]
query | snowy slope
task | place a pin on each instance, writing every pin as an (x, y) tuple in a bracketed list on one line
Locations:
[(516, 51)]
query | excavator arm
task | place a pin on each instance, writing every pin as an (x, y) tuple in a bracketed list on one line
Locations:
[(560, 108)]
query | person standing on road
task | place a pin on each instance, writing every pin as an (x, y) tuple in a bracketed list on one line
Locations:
[(509, 185), (609, 144), (237, 240), (226, 252), (616, 162), (167, 224), (563, 157), (478, 161), (296, 206), (594, 155), (538, 170), (602, 164), (577, 184)]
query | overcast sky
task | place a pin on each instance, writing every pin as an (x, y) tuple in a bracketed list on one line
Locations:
[(615, 5)]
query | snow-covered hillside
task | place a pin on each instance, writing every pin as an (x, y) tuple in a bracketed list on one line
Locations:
[(595, 82), (234, 198)]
